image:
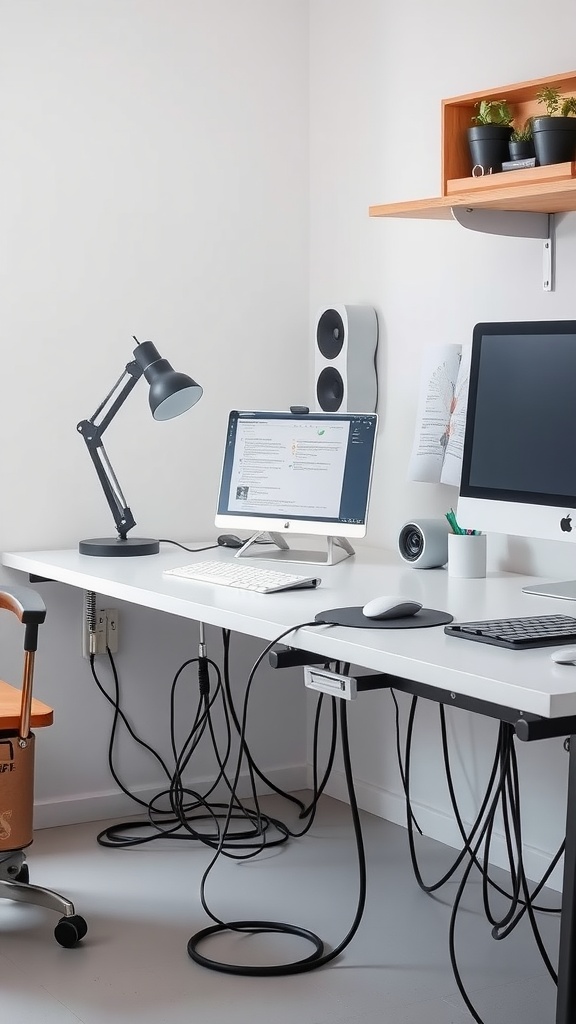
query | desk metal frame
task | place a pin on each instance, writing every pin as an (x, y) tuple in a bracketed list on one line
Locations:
[(528, 728)]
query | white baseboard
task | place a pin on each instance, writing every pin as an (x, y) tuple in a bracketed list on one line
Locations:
[(436, 824), (384, 804), (73, 810)]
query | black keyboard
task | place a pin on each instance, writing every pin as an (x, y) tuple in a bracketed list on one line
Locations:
[(519, 634)]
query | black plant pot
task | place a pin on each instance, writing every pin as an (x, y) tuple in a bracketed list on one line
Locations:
[(489, 146), (554, 139), (521, 150)]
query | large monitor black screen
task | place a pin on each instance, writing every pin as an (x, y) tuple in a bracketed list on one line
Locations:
[(519, 460)]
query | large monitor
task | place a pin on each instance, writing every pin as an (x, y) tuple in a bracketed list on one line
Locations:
[(519, 459), (298, 472)]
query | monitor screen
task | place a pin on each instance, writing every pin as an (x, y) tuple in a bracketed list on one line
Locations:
[(519, 459), (303, 473)]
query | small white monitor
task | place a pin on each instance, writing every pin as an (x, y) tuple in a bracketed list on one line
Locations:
[(288, 473), (519, 459)]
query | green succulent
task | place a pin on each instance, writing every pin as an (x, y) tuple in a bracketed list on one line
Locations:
[(550, 98), (493, 112), (568, 107), (555, 106), (523, 134)]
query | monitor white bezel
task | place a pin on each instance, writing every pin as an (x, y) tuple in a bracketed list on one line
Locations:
[(299, 527), (539, 522)]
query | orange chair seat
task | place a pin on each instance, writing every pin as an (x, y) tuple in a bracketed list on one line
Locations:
[(10, 697)]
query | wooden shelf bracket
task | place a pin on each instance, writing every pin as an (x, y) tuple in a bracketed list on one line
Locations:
[(516, 223)]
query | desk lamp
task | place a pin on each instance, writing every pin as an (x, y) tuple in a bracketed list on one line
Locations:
[(171, 393)]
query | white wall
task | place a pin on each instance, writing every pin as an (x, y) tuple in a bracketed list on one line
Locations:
[(378, 75), (154, 182)]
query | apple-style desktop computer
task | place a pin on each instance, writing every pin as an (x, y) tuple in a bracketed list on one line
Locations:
[(519, 458), (297, 473)]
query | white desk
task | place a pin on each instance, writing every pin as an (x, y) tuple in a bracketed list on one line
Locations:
[(525, 688), (527, 680)]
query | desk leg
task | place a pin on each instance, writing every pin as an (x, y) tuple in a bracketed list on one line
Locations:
[(566, 1000)]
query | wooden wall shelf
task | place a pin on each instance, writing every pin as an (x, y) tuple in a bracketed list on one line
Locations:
[(539, 190), (546, 197)]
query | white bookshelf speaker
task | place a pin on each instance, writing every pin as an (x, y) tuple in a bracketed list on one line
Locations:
[(345, 343)]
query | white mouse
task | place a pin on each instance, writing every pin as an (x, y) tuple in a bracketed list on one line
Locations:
[(564, 656), (390, 608)]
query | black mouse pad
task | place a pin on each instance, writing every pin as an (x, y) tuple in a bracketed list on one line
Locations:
[(355, 617)]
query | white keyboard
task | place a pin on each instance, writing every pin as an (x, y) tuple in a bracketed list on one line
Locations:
[(244, 577)]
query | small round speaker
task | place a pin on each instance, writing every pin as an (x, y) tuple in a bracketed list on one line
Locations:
[(423, 543)]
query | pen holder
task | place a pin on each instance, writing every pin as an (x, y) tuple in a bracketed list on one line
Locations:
[(467, 555)]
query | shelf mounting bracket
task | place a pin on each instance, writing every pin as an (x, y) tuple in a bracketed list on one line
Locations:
[(516, 223)]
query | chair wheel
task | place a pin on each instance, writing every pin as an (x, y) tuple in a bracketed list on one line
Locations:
[(70, 930), (23, 875)]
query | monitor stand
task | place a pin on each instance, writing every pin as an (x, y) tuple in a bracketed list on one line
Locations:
[(285, 554), (565, 590)]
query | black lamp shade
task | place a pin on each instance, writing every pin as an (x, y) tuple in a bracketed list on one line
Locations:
[(171, 393)]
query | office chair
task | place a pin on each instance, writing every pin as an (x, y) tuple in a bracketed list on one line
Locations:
[(18, 713)]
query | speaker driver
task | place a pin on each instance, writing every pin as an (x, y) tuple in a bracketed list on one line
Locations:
[(330, 390), (411, 542), (330, 334)]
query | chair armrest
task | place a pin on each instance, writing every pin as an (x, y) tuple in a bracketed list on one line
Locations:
[(30, 609), (26, 604)]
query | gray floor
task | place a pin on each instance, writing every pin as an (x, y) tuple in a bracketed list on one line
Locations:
[(142, 906)]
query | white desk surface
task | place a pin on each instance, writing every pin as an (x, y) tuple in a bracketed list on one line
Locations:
[(526, 680)]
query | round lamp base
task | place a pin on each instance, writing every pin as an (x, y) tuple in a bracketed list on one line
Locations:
[(114, 547)]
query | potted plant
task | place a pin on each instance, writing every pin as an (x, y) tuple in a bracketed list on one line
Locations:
[(522, 142), (555, 132), (489, 136)]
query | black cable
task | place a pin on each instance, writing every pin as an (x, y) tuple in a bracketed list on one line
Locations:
[(317, 790), (508, 779), (188, 808), (507, 798), (482, 867), (468, 839), (209, 547), (318, 958), (119, 714), (400, 764), (163, 821), (226, 636), (112, 836), (503, 756), (184, 802), (166, 540), (487, 878)]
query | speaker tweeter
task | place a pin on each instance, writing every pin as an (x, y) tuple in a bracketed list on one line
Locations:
[(346, 339)]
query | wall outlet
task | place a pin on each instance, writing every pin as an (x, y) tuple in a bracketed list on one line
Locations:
[(111, 629), (105, 635)]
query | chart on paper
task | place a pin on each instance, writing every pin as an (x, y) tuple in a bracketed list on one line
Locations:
[(441, 415)]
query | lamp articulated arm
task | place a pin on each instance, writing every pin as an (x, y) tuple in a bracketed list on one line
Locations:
[(92, 434), (170, 394)]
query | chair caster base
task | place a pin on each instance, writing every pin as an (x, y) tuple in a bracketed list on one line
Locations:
[(70, 930)]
